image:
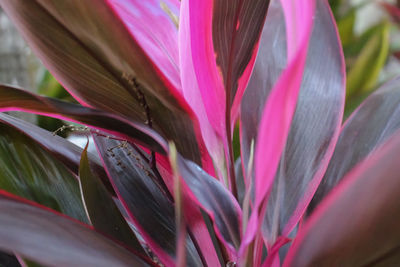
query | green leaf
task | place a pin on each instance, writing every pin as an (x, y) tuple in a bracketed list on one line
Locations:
[(363, 74), (346, 26), (102, 211)]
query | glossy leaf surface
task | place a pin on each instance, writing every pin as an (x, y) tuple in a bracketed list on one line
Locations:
[(357, 224), (280, 106), (316, 121), (367, 128), (51, 239)]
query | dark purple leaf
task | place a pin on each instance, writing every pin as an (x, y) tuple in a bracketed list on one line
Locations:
[(316, 121), (51, 239), (147, 204), (367, 128), (357, 224)]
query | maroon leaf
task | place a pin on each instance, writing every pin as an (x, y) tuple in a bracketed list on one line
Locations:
[(51, 239), (367, 128), (357, 224)]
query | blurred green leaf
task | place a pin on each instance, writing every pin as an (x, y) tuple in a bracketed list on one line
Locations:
[(345, 26), (363, 74)]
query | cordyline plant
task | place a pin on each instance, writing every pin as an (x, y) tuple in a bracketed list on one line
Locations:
[(162, 85)]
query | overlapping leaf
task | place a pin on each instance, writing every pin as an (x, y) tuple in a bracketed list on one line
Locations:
[(280, 106), (316, 121), (357, 224), (90, 51), (218, 45)]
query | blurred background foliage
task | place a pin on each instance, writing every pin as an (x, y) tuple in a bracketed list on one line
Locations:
[(369, 30), (371, 42)]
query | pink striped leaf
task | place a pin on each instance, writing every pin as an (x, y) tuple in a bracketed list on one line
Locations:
[(218, 45), (280, 107), (376, 119), (90, 50), (49, 238), (357, 223), (317, 118)]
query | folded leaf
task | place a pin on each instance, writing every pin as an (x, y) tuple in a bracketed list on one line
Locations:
[(368, 127), (280, 106), (317, 120), (103, 213), (148, 206), (363, 208), (27, 170), (49, 238), (93, 55)]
